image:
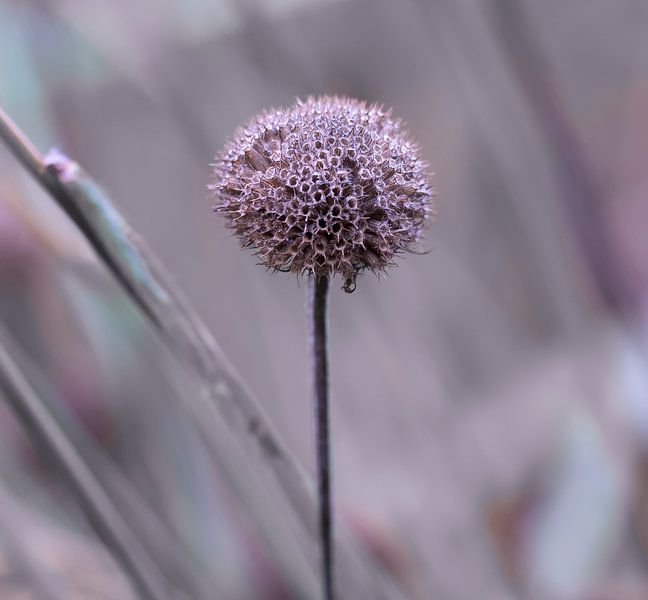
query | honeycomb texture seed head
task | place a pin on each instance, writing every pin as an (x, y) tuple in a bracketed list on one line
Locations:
[(328, 186)]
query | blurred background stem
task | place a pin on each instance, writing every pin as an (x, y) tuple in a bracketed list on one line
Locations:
[(97, 506)]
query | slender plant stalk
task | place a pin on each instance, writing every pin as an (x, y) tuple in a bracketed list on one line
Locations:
[(21, 146), (95, 503), (318, 307)]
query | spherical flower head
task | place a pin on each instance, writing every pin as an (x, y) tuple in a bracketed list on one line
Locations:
[(328, 186)]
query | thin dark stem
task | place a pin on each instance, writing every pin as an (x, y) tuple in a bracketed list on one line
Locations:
[(317, 304)]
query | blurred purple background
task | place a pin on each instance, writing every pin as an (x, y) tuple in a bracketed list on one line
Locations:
[(490, 399)]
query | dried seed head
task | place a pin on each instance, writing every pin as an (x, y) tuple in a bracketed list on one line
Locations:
[(327, 186)]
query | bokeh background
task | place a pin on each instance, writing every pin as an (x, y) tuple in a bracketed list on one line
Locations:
[(490, 398)]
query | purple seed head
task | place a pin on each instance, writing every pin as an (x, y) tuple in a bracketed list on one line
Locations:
[(330, 185)]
